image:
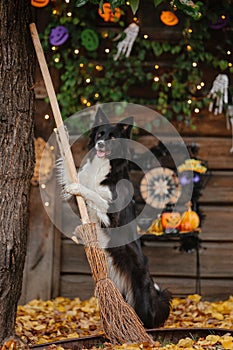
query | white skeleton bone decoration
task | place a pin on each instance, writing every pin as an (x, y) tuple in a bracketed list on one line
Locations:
[(219, 93), (125, 46)]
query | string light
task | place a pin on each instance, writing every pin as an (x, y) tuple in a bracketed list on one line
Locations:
[(46, 204), (189, 102), (88, 104), (145, 36), (198, 87), (189, 48), (81, 65), (46, 116), (88, 80), (76, 51), (169, 84), (194, 64), (96, 95), (107, 50), (69, 14), (67, 1), (156, 79), (202, 83), (196, 110), (56, 59), (105, 35), (156, 66), (135, 19), (190, 30), (99, 68), (52, 148), (127, 3), (223, 17), (43, 186), (228, 52), (55, 12), (54, 48), (230, 64)]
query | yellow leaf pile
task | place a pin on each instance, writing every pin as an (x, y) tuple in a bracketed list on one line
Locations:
[(53, 320), (44, 321)]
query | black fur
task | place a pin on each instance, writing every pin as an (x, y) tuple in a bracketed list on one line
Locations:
[(151, 305)]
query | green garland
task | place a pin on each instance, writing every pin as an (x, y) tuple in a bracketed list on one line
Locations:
[(88, 77)]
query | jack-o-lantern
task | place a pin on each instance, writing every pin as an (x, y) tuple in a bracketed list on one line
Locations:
[(58, 35), (39, 3), (190, 220), (169, 18), (108, 15), (170, 220)]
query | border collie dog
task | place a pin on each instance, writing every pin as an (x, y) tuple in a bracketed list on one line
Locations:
[(103, 181)]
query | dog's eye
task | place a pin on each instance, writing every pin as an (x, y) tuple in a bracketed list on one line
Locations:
[(112, 137), (100, 134)]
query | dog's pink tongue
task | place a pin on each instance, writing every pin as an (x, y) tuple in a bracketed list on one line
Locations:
[(101, 154)]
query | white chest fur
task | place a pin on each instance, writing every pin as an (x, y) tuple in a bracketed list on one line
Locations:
[(91, 176)]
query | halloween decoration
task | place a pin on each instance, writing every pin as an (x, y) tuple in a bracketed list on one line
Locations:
[(192, 165), (156, 227), (90, 39), (108, 15), (221, 22), (39, 3), (58, 36), (160, 186), (120, 322), (169, 18), (170, 220), (44, 165), (125, 46), (190, 221), (219, 94), (189, 7)]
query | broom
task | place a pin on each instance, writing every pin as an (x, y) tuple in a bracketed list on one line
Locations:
[(120, 322)]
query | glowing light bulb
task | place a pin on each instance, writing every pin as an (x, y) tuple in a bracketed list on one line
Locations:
[(81, 65), (76, 51), (54, 48), (88, 104), (88, 80), (52, 148), (156, 66), (190, 30), (56, 59), (46, 204), (194, 64), (169, 84), (228, 52), (229, 64), (99, 68), (189, 48), (198, 87), (156, 79), (96, 95), (202, 83), (145, 36), (69, 14), (196, 110), (43, 186), (46, 116), (189, 102), (107, 50)]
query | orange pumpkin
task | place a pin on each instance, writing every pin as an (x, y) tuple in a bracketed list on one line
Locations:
[(39, 3), (170, 220), (190, 221), (169, 18), (107, 14)]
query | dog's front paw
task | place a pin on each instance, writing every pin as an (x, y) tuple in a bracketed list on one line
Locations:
[(73, 189)]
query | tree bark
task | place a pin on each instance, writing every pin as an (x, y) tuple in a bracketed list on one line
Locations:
[(16, 152)]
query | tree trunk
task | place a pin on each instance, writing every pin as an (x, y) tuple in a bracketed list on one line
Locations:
[(16, 152)]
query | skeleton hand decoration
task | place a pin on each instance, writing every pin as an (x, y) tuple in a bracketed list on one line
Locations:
[(219, 93), (125, 46)]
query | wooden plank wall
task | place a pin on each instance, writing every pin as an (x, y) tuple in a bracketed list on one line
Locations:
[(170, 267)]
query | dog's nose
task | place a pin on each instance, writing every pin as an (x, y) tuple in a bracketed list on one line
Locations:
[(101, 144)]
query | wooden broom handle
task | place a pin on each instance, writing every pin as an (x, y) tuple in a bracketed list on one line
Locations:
[(58, 119)]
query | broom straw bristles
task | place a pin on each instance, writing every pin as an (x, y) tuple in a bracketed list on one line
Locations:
[(120, 322)]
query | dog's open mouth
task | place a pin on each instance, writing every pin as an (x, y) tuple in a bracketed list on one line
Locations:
[(102, 154)]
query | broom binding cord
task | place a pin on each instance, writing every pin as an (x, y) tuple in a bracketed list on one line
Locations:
[(121, 324)]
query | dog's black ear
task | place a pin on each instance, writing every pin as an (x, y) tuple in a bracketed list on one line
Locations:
[(126, 126), (100, 118)]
